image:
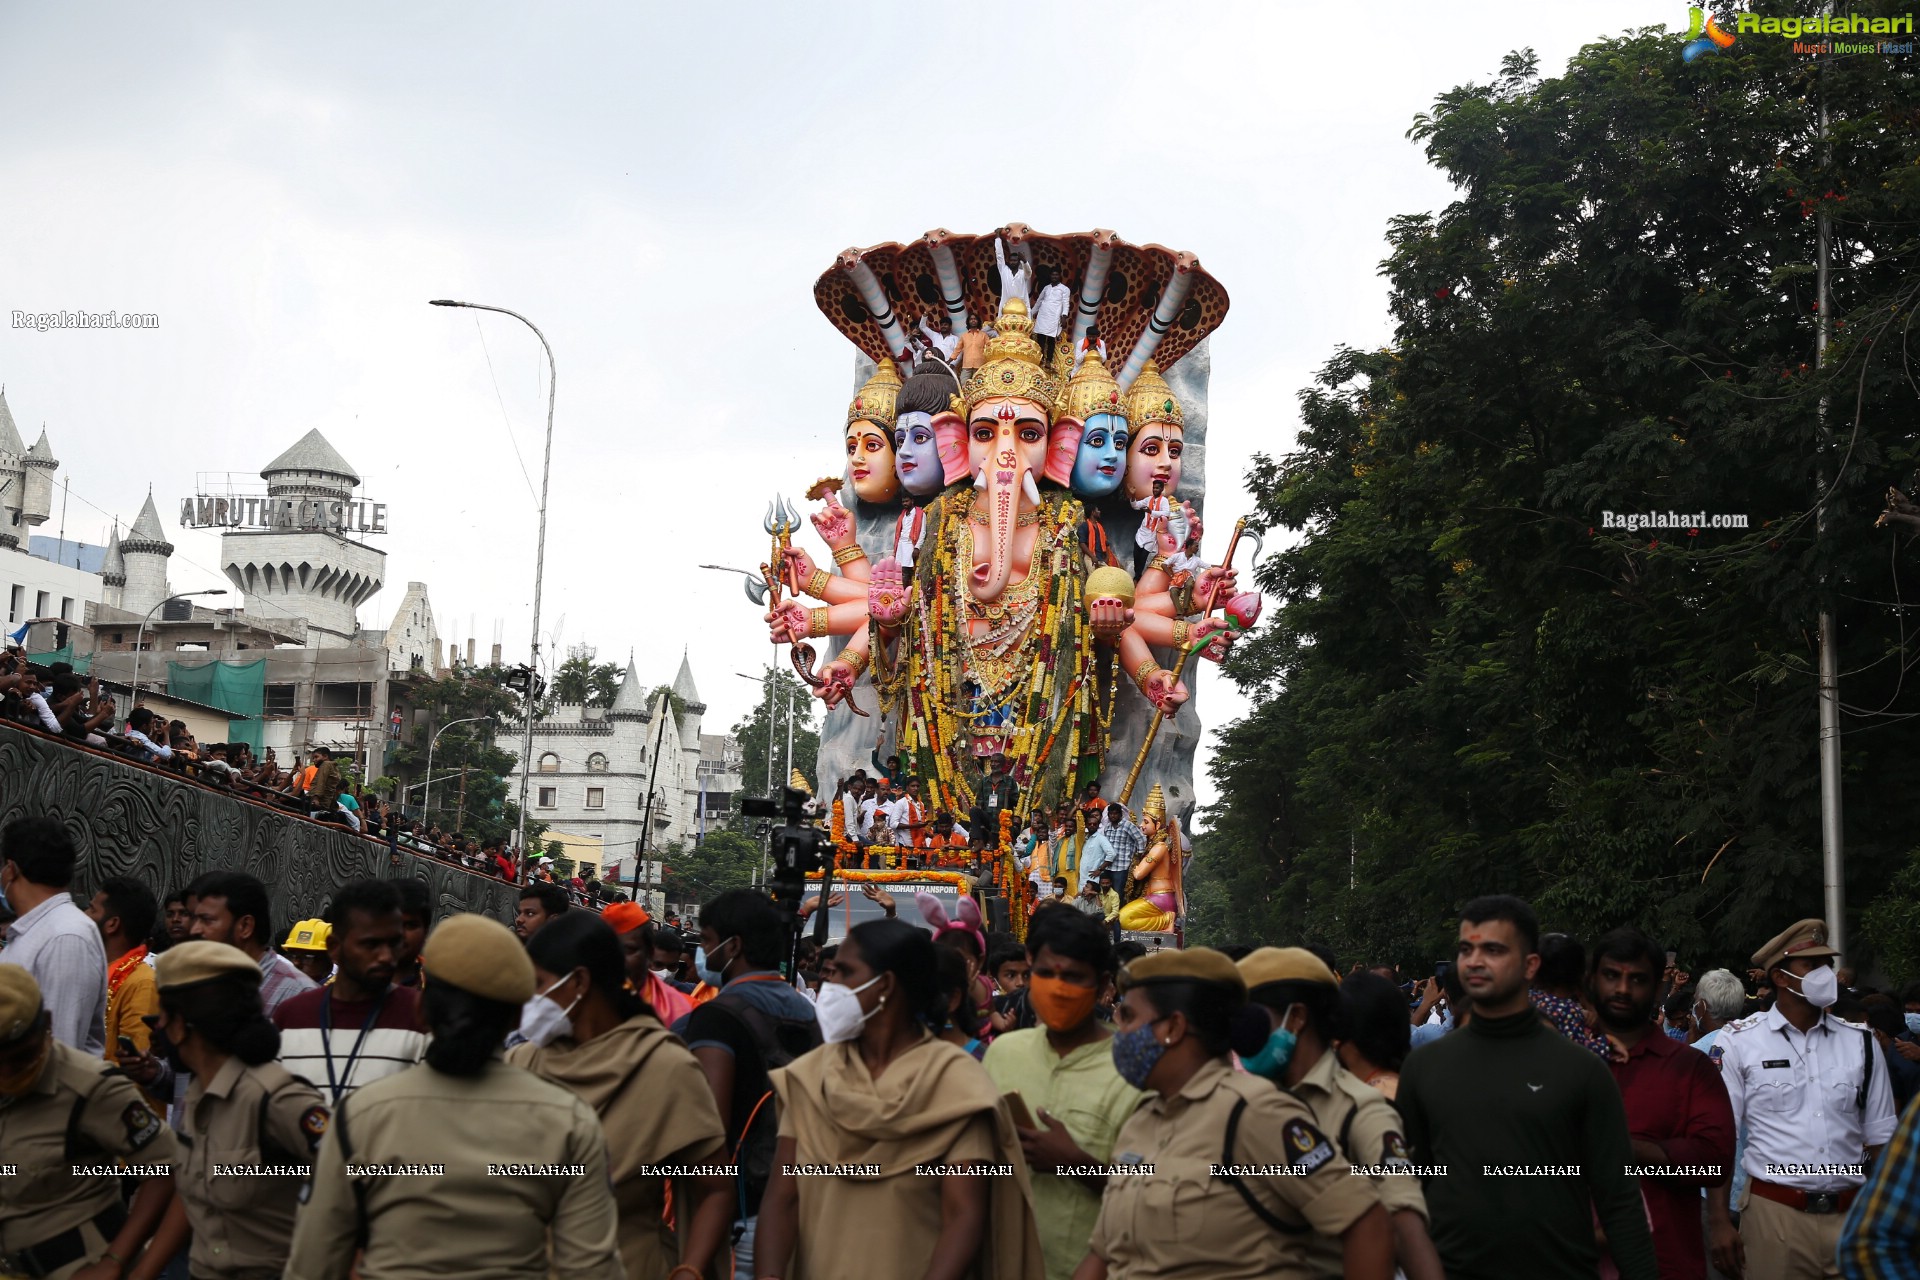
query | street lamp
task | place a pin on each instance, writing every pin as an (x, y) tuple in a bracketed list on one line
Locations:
[(426, 801), (140, 637), (539, 561)]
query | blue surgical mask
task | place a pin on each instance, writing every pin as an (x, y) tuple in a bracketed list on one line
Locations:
[(1677, 1033), (1913, 1023), (1136, 1053), (1276, 1053), (712, 977)]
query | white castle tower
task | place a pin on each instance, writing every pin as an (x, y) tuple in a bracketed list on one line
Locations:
[(26, 481), (113, 572), (305, 566), (143, 555)]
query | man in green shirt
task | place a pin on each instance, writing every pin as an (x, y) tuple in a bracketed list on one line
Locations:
[(1063, 1071), (1520, 1135)]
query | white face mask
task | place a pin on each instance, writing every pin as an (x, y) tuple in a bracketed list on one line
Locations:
[(838, 1010), (1820, 987), (542, 1020)]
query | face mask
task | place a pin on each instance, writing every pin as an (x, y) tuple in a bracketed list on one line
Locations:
[(1136, 1053), (17, 1084), (1276, 1053), (839, 1013), (712, 977), (1677, 1033), (542, 1020), (1060, 1004), (1821, 987), (1913, 1023)]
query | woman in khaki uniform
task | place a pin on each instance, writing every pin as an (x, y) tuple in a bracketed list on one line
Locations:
[(1282, 1178), (251, 1126), (896, 1156), (601, 1041)]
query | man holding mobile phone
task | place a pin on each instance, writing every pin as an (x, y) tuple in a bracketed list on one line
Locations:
[(124, 910)]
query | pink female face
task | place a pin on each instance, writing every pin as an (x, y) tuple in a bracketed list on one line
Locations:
[(1154, 454), (870, 462)]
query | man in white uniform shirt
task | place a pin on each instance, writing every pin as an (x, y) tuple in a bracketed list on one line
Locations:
[(1810, 1093), (1050, 310)]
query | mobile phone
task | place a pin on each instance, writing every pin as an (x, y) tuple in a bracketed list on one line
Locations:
[(1440, 970), (1017, 1107), (1671, 957), (127, 1048)]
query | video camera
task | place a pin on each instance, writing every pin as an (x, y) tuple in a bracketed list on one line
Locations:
[(795, 850)]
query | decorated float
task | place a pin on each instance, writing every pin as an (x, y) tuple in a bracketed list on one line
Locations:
[(1013, 588)]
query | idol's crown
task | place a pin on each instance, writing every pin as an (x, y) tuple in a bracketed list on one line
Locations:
[(1013, 364), (878, 398), (1150, 399), (1091, 391)]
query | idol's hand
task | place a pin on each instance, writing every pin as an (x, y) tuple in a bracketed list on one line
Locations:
[(1108, 616), (833, 522), (886, 596), (1164, 692), (1194, 527), (799, 569), (1216, 584), (1219, 635), (787, 623), (836, 683), (1163, 537)]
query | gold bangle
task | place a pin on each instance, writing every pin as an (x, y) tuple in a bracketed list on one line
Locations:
[(1182, 633), (1157, 561), (847, 555), (855, 659), (1144, 672), (817, 584), (816, 623)]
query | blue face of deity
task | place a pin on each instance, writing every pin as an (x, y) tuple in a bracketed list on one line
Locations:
[(916, 458), (1102, 461)]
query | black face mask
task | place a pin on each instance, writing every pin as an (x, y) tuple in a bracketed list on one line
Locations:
[(162, 1047)]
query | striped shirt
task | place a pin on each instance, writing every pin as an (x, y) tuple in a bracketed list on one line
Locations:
[(280, 981), (337, 1047), (1881, 1240)]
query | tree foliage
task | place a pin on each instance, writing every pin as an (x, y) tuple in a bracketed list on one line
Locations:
[(492, 773), (701, 872), (581, 681), (1470, 683), (755, 732)]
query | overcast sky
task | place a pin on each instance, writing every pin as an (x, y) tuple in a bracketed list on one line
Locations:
[(657, 186)]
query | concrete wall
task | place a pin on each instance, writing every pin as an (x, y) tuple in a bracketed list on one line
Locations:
[(164, 830), (33, 575)]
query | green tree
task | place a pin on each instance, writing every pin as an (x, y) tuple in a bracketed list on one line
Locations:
[(1470, 682), (755, 733), (580, 681), (723, 860), (492, 773)]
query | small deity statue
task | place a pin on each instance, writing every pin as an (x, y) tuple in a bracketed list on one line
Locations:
[(1161, 906)]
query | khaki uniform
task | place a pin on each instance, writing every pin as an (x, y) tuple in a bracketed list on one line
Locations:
[(43, 1203), (240, 1123), (474, 1174), (1366, 1130), (1179, 1220)]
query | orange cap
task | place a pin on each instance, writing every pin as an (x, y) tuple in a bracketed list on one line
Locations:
[(625, 917)]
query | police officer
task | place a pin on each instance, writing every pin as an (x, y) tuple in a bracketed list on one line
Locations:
[(251, 1126), (1218, 1173), (520, 1165), (1811, 1094), (1286, 1034), (66, 1117)]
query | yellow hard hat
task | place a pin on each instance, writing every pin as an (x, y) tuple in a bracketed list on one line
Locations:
[(309, 935)]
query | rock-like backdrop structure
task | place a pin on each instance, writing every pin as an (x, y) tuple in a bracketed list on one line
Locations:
[(165, 831)]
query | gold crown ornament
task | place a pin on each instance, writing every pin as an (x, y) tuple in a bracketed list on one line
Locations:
[(1156, 805), (1013, 364), (798, 781), (877, 398), (1150, 399), (1091, 391)]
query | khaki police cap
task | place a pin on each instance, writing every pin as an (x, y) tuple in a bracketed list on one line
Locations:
[(1804, 939), (308, 935), (1284, 964), (192, 962), (1195, 964), (480, 956), (19, 1002)]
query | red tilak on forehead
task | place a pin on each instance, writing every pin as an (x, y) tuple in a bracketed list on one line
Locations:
[(1007, 413)]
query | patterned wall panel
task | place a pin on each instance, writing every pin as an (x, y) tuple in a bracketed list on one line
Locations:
[(165, 830)]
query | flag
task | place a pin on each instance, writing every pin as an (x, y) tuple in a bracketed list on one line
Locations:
[(20, 636)]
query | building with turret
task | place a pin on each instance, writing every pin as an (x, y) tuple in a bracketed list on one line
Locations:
[(34, 587)]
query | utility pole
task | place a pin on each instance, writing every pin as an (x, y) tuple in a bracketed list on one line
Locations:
[(1832, 832), (789, 731), (460, 806), (646, 818)]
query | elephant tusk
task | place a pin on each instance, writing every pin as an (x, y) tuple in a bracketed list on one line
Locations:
[(1028, 487), (980, 478)]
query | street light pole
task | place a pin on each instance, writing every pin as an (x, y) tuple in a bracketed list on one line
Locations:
[(140, 637), (426, 801), (539, 567)]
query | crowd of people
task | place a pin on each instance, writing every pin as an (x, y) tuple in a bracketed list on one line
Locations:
[(56, 700), (603, 1094)]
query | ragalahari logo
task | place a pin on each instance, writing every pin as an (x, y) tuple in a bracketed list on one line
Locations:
[(1703, 36)]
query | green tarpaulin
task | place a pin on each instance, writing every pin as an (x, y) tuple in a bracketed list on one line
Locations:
[(81, 664), (239, 688)]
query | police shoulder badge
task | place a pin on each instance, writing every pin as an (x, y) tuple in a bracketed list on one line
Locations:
[(1393, 1149), (142, 1125), (1307, 1147), (313, 1123)]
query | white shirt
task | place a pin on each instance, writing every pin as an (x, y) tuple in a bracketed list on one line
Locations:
[(1080, 352), (59, 944), (153, 749), (48, 720), (1013, 282), (1055, 299), (942, 342), (1794, 1094)]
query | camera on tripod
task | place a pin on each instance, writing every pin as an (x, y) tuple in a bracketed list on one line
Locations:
[(794, 850)]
